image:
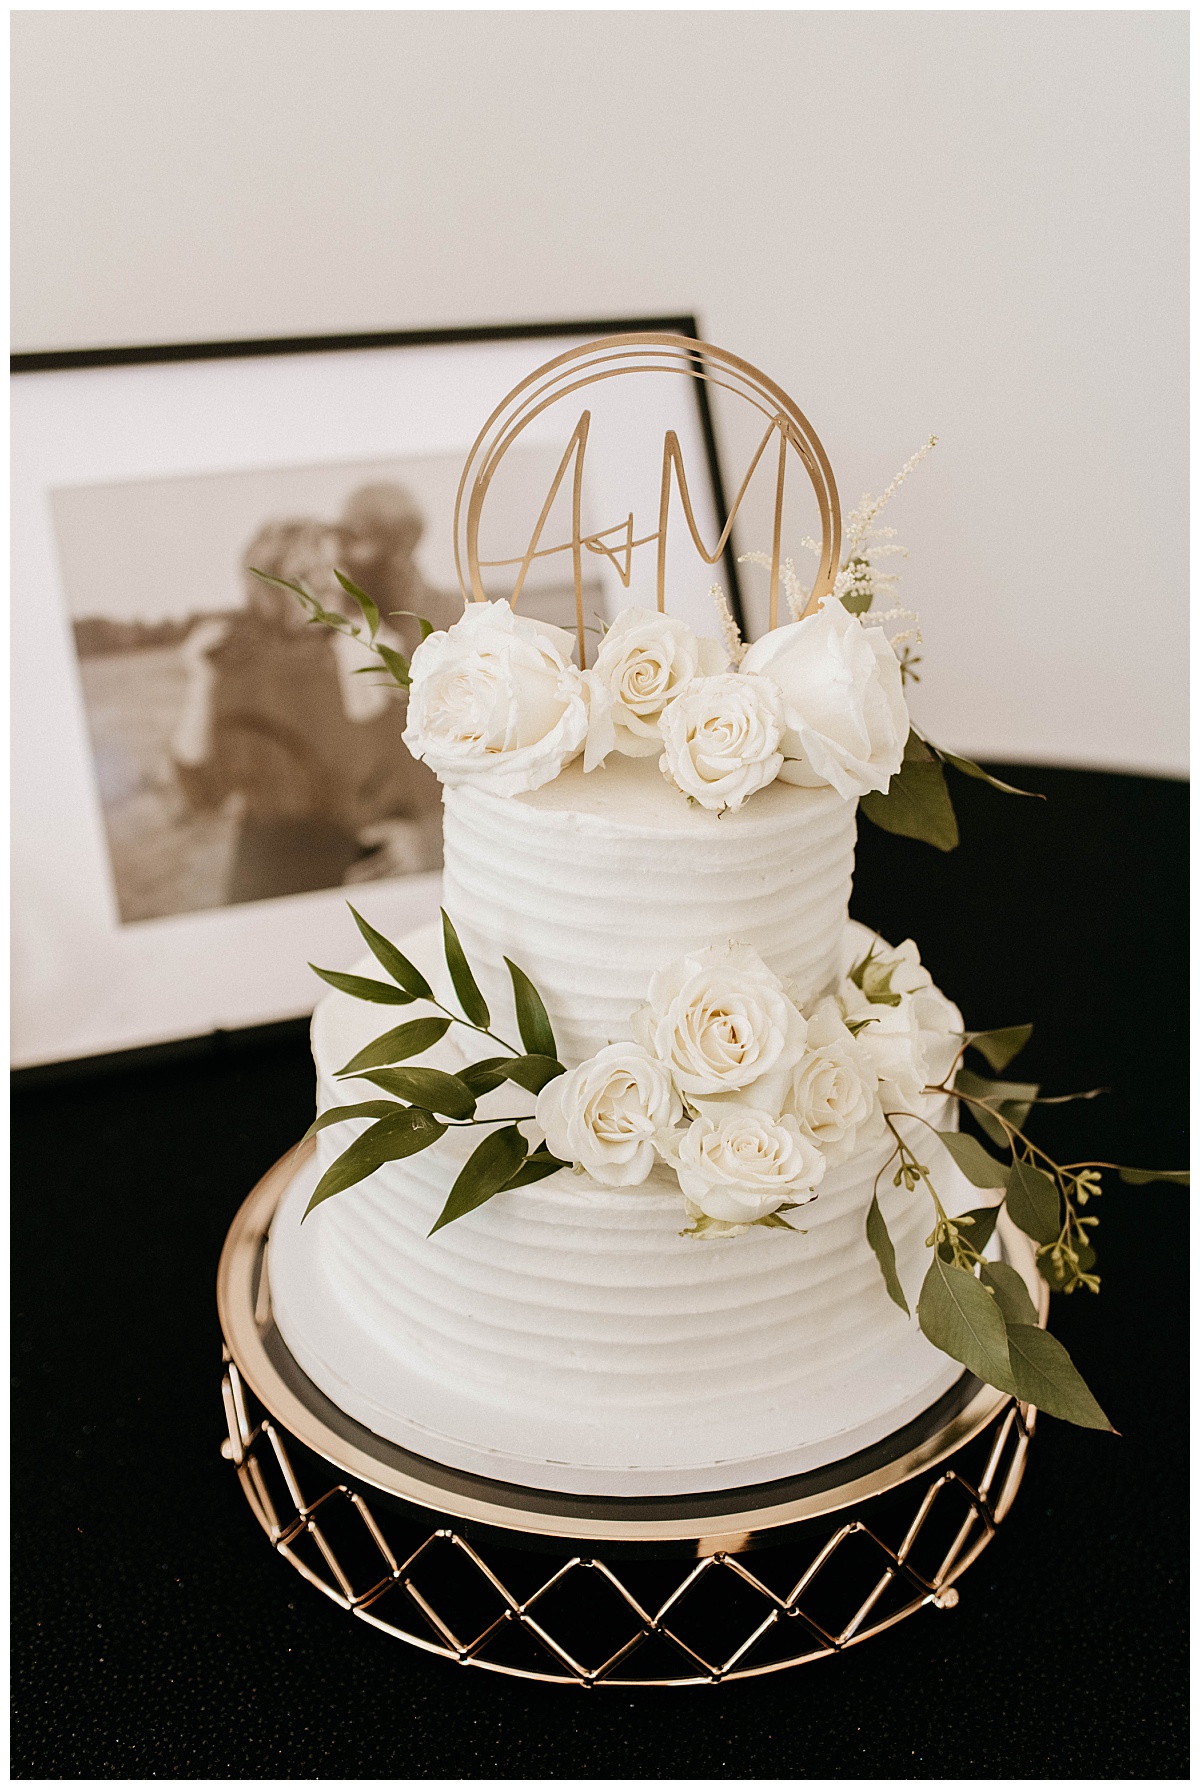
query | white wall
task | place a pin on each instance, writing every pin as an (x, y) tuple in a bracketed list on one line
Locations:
[(972, 223)]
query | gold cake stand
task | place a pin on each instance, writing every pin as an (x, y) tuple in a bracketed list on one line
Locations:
[(665, 1591)]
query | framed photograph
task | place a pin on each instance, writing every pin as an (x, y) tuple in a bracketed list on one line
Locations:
[(200, 779)]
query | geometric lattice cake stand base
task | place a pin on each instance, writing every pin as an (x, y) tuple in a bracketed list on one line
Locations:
[(607, 1591)]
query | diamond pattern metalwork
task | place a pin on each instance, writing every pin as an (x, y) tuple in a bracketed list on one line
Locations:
[(587, 1621)]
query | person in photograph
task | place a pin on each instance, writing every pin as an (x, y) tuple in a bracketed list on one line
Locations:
[(275, 716), (381, 526)]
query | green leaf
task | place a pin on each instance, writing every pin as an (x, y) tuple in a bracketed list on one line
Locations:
[(394, 962), (1045, 1376), (465, 985), (1032, 1201), (960, 1317), (534, 1168), (366, 604), (328, 618), (969, 768), (532, 1072), (396, 663), (1142, 1177), (489, 1167), (425, 625), (364, 988), (771, 1221), (1011, 1293), (365, 1109), (430, 1088), (979, 1233), (486, 1075), (395, 1046), (1001, 1046), (408, 1131), (1011, 1099), (917, 804), (980, 1169), (534, 1022), (885, 1255)]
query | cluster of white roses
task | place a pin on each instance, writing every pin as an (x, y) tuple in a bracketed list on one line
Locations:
[(745, 1097), (496, 701)]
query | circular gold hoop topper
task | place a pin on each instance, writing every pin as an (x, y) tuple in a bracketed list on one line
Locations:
[(613, 357)]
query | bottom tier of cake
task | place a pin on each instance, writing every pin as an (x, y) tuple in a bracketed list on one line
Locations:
[(566, 1336)]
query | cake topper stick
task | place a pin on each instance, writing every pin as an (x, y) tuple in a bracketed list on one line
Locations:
[(614, 357)]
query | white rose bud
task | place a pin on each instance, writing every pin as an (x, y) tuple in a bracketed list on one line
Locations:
[(741, 1164), (496, 702), (843, 697), (645, 661), (606, 1114), (721, 1023), (831, 1094), (721, 739)]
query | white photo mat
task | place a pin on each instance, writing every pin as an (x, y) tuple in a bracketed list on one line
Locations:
[(84, 983)]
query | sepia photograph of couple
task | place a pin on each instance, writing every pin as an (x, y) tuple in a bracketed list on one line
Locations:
[(238, 754)]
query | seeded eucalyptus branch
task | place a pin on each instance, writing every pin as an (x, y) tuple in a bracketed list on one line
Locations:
[(978, 1311), (428, 1102)]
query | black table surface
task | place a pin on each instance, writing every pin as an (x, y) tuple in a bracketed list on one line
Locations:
[(157, 1635)]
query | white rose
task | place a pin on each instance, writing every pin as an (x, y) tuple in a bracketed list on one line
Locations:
[(721, 1023), (847, 721), (496, 702), (606, 1114), (831, 1094), (740, 1164), (646, 660), (721, 739), (914, 1033)]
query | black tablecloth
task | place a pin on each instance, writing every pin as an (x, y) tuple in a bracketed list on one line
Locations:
[(158, 1636)]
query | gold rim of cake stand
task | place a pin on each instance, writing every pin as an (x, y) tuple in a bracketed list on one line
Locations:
[(727, 1521)]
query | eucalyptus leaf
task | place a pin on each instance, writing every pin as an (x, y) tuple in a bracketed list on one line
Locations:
[(1045, 1376), (980, 1169), (533, 1021), (1010, 1292), (969, 768), (394, 962), (489, 1167), (465, 985), (532, 1072), (430, 1088), (364, 988), (366, 604), (999, 1047), (364, 1109), (396, 1046), (1032, 1202), (771, 1221), (534, 1168), (917, 804), (960, 1317), (979, 1233), (1142, 1177), (486, 1075), (1006, 1099), (396, 663), (880, 1240), (404, 1134)]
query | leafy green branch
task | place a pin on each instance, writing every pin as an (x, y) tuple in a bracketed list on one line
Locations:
[(427, 1102), (918, 804), (392, 662), (976, 1310)]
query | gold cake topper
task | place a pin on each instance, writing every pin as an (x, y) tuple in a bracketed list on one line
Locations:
[(613, 357)]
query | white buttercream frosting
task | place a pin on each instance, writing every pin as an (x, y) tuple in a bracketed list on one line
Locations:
[(565, 1335), (597, 881)]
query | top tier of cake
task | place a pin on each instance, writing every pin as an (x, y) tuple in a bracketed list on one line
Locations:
[(595, 882)]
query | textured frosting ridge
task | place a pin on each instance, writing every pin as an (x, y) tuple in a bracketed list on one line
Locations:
[(566, 1335), (595, 882)]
